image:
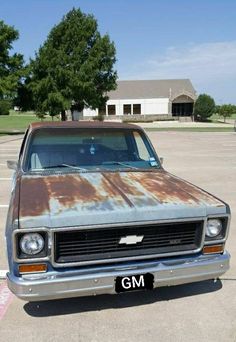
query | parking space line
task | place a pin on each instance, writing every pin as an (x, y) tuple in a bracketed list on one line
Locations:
[(5, 179), (4, 205), (2, 149), (6, 298), (7, 141)]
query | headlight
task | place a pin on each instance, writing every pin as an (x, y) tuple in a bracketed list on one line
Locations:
[(32, 243), (214, 227)]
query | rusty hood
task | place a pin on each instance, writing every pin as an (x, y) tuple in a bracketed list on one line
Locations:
[(62, 200)]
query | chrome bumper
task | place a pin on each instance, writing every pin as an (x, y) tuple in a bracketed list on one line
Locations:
[(167, 272)]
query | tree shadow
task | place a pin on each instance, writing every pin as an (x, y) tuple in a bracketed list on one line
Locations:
[(104, 302), (3, 132)]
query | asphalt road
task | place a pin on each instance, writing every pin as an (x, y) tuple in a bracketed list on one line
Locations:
[(203, 311)]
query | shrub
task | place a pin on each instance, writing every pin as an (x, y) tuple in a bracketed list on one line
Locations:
[(5, 107), (204, 107)]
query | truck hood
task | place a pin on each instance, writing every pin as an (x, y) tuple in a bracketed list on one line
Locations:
[(110, 197)]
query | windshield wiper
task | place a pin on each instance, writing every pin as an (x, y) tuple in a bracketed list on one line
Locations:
[(119, 163), (74, 167), (64, 165)]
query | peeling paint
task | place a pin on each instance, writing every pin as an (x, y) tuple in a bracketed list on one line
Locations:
[(107, 191)]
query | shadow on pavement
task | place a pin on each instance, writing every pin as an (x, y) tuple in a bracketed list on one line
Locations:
[(11, 132), (103, 302)]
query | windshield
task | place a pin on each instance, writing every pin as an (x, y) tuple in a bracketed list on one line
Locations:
[(89, 149)]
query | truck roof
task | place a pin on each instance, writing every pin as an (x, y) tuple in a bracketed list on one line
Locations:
[(82, 124)]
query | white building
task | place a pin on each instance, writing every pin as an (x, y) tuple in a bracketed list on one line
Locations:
[(145, 99)]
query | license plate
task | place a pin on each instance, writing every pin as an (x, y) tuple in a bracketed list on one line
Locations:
[(134, 282)]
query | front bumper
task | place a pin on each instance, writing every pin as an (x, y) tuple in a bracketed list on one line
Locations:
[(93, 281)]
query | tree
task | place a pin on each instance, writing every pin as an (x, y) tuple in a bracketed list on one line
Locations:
[(74, 66), (217, 109), (226, 110), (204, 107), (24, 96), (11, 66)]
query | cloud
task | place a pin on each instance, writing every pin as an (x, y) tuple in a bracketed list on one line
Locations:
[(210, 66)]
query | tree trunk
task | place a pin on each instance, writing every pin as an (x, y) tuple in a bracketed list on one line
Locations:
[(63, 115), (77, 111)]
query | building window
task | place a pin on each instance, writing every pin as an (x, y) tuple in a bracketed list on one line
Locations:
[(127, 109), (137, 109), (111, 109)]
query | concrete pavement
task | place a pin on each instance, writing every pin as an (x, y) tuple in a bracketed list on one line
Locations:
[(178, 124)]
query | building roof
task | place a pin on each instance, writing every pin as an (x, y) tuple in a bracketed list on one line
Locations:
[(147, 89)]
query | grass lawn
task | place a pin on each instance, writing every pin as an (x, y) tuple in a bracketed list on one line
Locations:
[(15, 124), (16, 113)]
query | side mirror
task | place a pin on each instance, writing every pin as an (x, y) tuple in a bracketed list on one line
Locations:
[(12, 164), (161, 160)]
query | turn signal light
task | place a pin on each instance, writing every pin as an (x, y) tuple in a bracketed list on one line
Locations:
[(213, 249), (32, 268)]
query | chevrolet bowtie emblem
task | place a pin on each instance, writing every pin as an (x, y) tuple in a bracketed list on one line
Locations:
[(131, 239)]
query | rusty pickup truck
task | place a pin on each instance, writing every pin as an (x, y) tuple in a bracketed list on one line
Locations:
[(93, 211)]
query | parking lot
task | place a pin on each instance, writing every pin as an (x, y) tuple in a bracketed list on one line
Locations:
[(203, 311)]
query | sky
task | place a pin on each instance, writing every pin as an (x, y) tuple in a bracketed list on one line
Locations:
[(154, 39)]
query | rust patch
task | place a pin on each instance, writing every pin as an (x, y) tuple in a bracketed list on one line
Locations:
[(34, 197), (110, 190), (196, 192), (70, 189), (125, 184), (37, 192), (106, 187), (120, 191), (165, 190)]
